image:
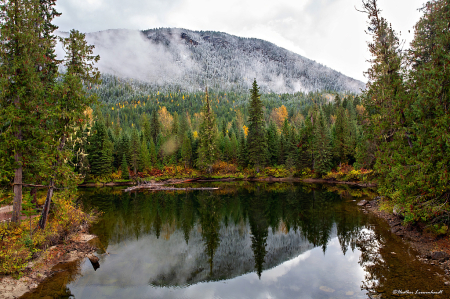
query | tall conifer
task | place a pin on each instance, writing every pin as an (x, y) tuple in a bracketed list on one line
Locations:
[(257, 143), (207, 150)]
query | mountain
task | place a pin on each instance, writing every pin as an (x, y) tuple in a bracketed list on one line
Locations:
[(190, 60)]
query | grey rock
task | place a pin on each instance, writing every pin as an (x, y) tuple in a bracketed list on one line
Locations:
[(362, 203), (439, 255)]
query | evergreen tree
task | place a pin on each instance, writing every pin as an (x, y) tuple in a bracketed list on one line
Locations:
[(155, 126), (153, 153), (207, 150), (124, 168), (272, 143), (20, 90), (243, 153), (145, 125), (144, 157), (420, 174), (135, 149), (412, 157), (384, 95), (322, 151), (342, 142), (234, 146), (123, 146), (257, 143), (291, 149), (99, 150), (186, 151), (70, 107)]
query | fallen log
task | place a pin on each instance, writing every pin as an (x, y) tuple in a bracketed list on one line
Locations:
[(154, 187)]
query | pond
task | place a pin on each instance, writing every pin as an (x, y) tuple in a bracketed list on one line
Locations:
[(245, 240)]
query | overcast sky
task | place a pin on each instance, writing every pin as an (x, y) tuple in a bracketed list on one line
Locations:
[(330, 32)]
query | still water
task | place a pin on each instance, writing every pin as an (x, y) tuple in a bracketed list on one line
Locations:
[(244, 240)]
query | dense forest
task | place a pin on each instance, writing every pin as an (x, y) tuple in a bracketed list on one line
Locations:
[(140, 129)]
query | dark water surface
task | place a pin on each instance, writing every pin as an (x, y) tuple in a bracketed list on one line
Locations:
[(242, 241)]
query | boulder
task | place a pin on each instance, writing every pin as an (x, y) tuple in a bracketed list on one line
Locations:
[(439, 255), (94, 261), (362, 203)]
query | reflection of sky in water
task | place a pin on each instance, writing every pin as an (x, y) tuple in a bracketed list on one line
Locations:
[(311, 274)]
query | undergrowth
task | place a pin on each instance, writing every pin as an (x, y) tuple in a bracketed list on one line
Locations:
[(20, 243)]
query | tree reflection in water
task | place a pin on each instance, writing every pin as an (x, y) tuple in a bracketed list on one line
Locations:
[(210, 217), (258, 237)]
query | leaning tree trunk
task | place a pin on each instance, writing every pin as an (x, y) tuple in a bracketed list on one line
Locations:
[(46, 209), (51, 188)]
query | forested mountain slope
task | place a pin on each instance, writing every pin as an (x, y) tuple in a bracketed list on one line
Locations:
[(172, 58)]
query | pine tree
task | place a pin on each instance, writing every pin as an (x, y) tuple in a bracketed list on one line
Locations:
[(124, 168), (145, 125), (384, 96), (272, 143), (207, 150), (22, 90), (186, 151), (257, 143), (292, 150), (243, 153), (342, 142), (322, 151), (423, 177), (155, 126), (144, 157), (413, 162), (135, 150), (234, 147), (99, 150), (123, 146), (153, 153)]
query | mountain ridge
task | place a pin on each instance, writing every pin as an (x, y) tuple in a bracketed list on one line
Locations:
[(175, 58)]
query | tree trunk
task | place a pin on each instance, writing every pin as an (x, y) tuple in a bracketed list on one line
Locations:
[(46, 209), (17, 204)]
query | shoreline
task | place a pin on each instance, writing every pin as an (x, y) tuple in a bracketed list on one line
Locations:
[(432, 250), (230, 179), (76, 247)]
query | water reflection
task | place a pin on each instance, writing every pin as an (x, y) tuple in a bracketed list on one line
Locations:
[(249, 241)]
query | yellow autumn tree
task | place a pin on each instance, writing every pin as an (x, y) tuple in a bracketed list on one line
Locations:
[(278, 115), (166, 119)]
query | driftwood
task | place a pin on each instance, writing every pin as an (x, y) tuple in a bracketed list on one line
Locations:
[(161, 187)]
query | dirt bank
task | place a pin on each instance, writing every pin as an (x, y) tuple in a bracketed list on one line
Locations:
[(432, 250), (77, 246)]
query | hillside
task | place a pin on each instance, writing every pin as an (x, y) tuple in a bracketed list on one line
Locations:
[(172, 58)]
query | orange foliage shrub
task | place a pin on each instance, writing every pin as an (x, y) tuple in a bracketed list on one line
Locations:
[(222, 167)]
